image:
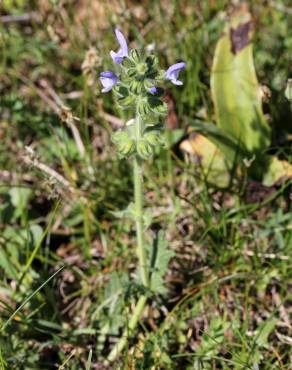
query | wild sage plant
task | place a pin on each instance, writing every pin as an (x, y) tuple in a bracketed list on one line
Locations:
[(137, 86)]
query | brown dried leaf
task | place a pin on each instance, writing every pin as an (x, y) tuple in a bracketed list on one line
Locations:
[(239, 36)]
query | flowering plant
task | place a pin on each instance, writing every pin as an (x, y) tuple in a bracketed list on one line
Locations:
[(137, 86)]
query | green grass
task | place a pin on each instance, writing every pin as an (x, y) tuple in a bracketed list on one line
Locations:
[(68, 264)]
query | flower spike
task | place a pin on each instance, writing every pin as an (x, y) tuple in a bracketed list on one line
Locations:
[(123, 51), (139, 89), (173, 72), (108, 80)]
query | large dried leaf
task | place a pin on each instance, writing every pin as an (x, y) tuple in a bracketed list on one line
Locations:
[(235, 89)]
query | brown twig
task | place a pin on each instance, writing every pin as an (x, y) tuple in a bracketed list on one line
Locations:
[(21, 18), (30, 159)]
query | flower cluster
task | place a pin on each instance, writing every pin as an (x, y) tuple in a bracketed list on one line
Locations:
[(138, 85), (109, 79), (127, 143)]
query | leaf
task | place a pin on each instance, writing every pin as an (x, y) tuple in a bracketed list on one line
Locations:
[(174, 136), (19, 199), (49, 325), (128, 212), (13, 6), (264, 331), (235, 89), (276, 171), (229, 146), (160, 256), (84, 331), (7, 265), (110, 311), (215, 167), (36, 234), (212, 340), (89, 359)]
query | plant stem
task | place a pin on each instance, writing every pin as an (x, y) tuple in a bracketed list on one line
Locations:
[(170, 169), (138, 198), (132, 324)]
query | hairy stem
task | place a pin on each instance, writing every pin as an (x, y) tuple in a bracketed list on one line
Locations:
[(141, 253), (138, 195), (131, 326), (170, 168)]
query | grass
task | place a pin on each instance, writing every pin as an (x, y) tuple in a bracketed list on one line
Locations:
[(68, 263)]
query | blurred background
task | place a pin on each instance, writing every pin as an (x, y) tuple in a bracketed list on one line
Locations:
[(62, 186)]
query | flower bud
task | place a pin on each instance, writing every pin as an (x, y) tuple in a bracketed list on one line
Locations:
[(157, 106), (148, 84), (288, 90), (152, 61), (128, 63), (120, 136), (144, 149), (136, 86), (135, 56), (126, 148), (126, 101), (131, 72), (143, 107), (153, 138), (142, 68), (161, 109)]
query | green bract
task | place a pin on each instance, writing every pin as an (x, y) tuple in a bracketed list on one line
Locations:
[(137, 90)]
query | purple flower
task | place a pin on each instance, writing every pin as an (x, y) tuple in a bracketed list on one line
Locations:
[(123, 51), (173, 71), (108, 80), (153, 90)]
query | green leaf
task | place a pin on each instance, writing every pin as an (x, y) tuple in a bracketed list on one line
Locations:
[(174, 136), (19, 199), (36, 233), (128, 212), (14, 6), (263, 332), (7, 265), (235, 89), (89, 359), (49, 325), (110, 312), (160, 256), (84, 331), (212, 340)]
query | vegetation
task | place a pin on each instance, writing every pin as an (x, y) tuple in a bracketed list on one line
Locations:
[(217, 196)]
